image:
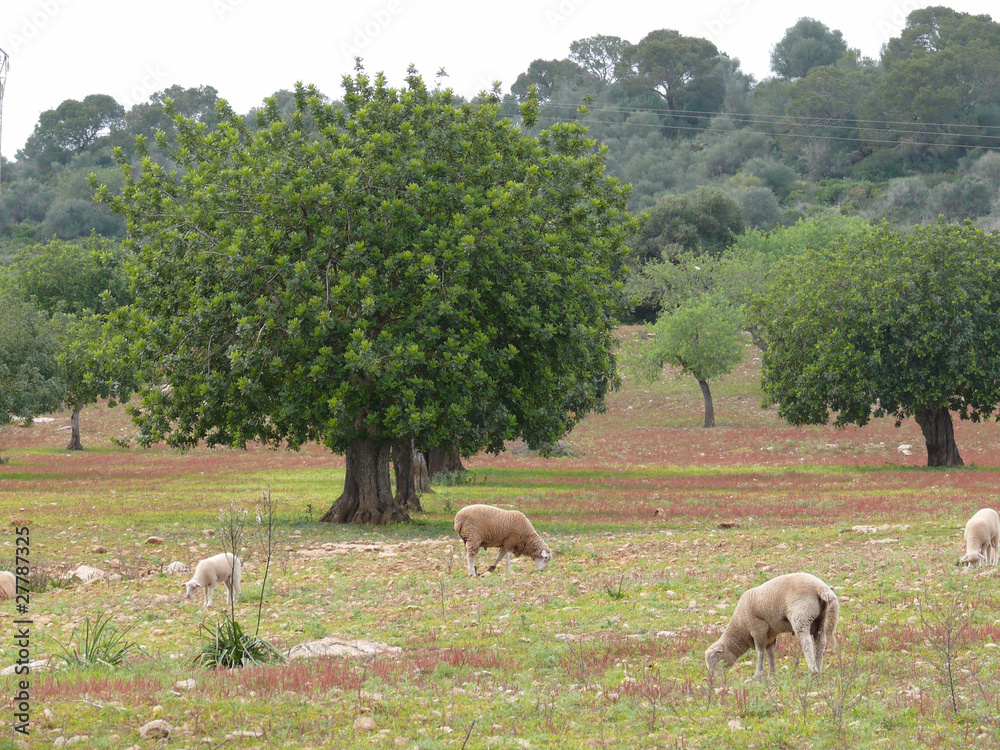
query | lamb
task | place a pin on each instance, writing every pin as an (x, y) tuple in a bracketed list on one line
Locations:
[(221, 568), (8, 585), (510, 530), (982, 538), (797, 603)]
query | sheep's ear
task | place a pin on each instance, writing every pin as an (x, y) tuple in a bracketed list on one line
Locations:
[(546, 555)]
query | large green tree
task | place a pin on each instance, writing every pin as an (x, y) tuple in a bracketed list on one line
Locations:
[(888, 324), (414, 271), (72, 127), (688, 73), (806, 45)]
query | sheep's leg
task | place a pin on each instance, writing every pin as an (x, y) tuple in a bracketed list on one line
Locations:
[(500, 557), (820, 648), (229, 592), (760, 663), (209, 589), (770, 657), (808, 647), (469, 555)]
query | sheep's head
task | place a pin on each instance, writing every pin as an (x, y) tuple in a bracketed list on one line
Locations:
[(190, 587), (716, 657), (543, 559), (974, 558)]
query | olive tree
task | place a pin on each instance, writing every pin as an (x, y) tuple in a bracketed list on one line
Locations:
[(407, 269), (887, 324)]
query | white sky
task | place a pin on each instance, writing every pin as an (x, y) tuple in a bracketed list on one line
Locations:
[(248, 49)]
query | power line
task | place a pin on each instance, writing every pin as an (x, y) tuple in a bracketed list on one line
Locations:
[(992, 144)]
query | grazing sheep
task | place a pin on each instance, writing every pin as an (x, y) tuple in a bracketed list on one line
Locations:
[(982, 538), (510, 530), (8, 585), (797, 603), (220, 568)]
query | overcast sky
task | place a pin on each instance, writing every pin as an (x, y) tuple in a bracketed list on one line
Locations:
[(248, 49)]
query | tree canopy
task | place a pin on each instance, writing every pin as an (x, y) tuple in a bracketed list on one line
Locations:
[(806, 45), (887, 324), (415, 270)]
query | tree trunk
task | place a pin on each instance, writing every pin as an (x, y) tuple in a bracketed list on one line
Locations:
[(709, 408), (367, 496), (421, 478), (443, 461), (939, 435), (406, 484), (74, 432)]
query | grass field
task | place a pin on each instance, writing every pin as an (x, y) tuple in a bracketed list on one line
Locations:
[(604, 649)]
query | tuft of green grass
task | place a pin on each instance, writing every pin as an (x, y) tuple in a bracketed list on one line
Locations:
[(228, 645), (99, 643)]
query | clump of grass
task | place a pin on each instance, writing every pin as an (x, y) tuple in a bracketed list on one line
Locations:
[(617, 591), (100, 643), (40, 581), (228, 645)]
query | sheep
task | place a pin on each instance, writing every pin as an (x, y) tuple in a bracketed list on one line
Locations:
[(797, 603), (220, 568), (8, 585), (510, 530), (982, 538)]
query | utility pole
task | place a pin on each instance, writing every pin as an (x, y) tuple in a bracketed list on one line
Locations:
[(4, 67)]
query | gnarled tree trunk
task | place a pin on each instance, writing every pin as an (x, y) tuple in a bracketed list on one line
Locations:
[(709, 407), (443, 461), (74, 432), (367, 496), (406, 479), (939, 435)]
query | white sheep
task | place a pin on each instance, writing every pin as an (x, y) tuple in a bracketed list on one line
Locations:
[(982, 538), (510, 530), (221, 568), (8, 585), (797, 603)]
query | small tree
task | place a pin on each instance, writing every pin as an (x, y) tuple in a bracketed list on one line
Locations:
[(887, 324), (703, 339)]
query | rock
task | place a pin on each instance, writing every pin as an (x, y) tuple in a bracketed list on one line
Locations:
[(155, 729), (332, 646), (84, 573), (176, 567), (154, 540), (185, 685), (160, 600), (38, 665), (244, 734), (735, 725), (99, 549), (208, 532), (364, 724)]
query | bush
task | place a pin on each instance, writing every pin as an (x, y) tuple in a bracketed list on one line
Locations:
[(760, 207), (965, 198), (76, 217), (228, 645)]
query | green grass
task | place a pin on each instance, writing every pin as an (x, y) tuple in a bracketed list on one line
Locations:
[(604, 649)]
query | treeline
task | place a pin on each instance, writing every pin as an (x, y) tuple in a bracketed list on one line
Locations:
[(908, 137)]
